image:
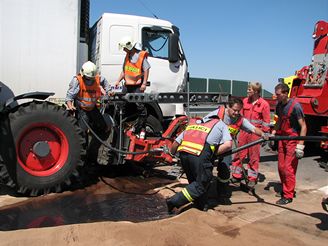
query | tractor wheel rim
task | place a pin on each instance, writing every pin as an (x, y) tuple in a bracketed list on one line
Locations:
[(55, 149)]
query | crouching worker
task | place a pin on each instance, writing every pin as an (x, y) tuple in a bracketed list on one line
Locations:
[(85, 89), (197, 146)]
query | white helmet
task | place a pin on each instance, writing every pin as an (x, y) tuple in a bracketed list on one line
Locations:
[(126, 42), (89, 70)]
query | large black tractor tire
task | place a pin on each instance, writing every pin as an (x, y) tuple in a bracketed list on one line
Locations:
[(106, 156), (49, 148)]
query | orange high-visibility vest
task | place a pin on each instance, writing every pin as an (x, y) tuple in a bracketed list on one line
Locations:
[(234, 127), (88, 94), (133, 71), (195, 136)]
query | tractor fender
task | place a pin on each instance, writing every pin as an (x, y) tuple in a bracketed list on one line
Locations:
[(12, 102)]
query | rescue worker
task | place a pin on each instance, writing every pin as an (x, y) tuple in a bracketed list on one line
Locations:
[(84, 91), (135, 74), (291, 122), (257, 111), (230, 115), (197, 146)]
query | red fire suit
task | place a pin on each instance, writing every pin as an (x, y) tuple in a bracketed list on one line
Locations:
[(287, 161), (258, 114)]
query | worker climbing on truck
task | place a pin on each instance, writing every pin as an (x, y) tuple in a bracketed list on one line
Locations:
[(84, 90), (202, 140), (257, 111), (135, 74), (230, 115)]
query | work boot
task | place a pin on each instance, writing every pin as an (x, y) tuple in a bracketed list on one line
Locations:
[(251, 184), (281, 194), (223, 189), (284, 201), (170, 206), (234, 180), (201, 203), (176, 201), (202, 206)]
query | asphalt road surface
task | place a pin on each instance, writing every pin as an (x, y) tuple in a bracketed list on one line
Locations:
[(130, 210)]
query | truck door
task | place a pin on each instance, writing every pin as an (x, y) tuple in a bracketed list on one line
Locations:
[(164, 75)]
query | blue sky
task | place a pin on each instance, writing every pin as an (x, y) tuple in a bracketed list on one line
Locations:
[(259, 40)]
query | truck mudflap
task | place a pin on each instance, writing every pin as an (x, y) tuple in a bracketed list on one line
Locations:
[(48, 146)]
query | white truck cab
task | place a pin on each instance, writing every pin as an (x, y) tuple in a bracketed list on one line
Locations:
[(160, 38)]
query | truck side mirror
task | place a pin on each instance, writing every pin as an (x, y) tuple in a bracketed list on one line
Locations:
[(173, 47), (281, 80)]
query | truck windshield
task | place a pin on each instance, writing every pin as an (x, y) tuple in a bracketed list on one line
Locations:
[(156, 42)]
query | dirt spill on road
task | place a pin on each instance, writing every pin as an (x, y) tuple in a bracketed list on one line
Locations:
[(94, 204)]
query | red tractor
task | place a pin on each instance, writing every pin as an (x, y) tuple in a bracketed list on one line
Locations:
[(42, 149)]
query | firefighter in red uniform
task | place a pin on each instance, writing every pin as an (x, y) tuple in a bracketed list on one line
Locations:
[(290, 123), (85, 89), (231, 117), (257, 111), (135, 74), (197, 146)]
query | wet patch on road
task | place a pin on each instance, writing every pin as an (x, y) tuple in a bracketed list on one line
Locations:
[(105, 201)]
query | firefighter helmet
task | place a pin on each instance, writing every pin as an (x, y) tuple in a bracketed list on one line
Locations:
[(89, 70), (126, 42)]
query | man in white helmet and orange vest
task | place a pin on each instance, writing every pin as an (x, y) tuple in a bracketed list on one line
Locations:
[(135, 73), (257, 111), (202, 140), (230, 115), (85, 89)]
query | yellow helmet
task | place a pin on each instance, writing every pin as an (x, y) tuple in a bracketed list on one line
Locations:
[(89, 70)]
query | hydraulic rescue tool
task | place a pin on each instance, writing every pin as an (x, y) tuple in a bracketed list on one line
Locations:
[(124, 145)]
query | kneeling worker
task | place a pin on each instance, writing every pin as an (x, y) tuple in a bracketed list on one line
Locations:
[(198, 145)]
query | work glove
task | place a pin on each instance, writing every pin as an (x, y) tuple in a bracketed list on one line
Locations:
[(299, 151), (266, 135)]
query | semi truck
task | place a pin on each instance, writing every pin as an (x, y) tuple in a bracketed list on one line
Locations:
[(309, 86), (44, 43)]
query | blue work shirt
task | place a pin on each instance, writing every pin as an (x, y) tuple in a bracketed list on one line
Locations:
[(246, 125)]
